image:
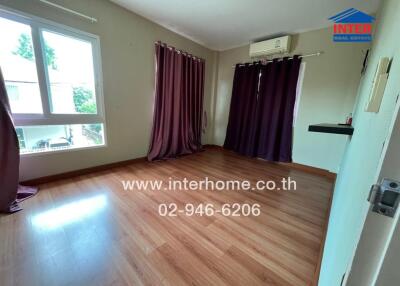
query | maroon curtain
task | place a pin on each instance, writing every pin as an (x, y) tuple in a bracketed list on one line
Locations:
[(10, 192), (262, 105), (178, 107)]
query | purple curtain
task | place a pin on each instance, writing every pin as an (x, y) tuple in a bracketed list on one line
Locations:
[(261, 113), (10, 192), (178, 107), (240, 134)]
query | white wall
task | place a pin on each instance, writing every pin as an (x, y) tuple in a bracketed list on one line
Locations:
[(127, 46), (328, 95)]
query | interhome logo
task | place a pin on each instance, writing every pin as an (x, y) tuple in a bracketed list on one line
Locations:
[(352, 25)]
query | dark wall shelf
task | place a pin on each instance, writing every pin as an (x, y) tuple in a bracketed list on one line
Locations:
[(331, 128)]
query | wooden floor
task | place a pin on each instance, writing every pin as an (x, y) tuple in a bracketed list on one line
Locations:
[(89, 231)]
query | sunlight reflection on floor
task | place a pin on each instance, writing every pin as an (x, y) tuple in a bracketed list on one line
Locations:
[(69, 213)]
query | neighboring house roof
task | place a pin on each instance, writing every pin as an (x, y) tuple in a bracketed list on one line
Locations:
[(352, 16), (19, 69), (16, 68)]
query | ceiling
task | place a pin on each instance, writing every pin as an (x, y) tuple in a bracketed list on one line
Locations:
[(224, 24)]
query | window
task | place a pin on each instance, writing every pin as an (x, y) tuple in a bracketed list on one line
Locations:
[(21, 138), (44, 138), (17, 61), (53, 80), (13, 93), (71, 75)]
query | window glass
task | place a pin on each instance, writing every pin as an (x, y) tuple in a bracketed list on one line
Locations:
[(34, 139), (71, 74), (17, 62), (21, 138)]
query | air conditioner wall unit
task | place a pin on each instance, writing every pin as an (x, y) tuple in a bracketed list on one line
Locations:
[(279, 45)]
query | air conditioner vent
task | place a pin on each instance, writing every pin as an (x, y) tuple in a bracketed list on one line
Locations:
[(270, 47)]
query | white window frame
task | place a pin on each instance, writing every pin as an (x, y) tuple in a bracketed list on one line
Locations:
[(38, 25)]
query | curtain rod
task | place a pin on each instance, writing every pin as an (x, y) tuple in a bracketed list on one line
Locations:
[(91, 19), (316, 54), (178, 51)]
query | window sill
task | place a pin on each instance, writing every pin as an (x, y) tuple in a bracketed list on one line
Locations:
[(50, 152)]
